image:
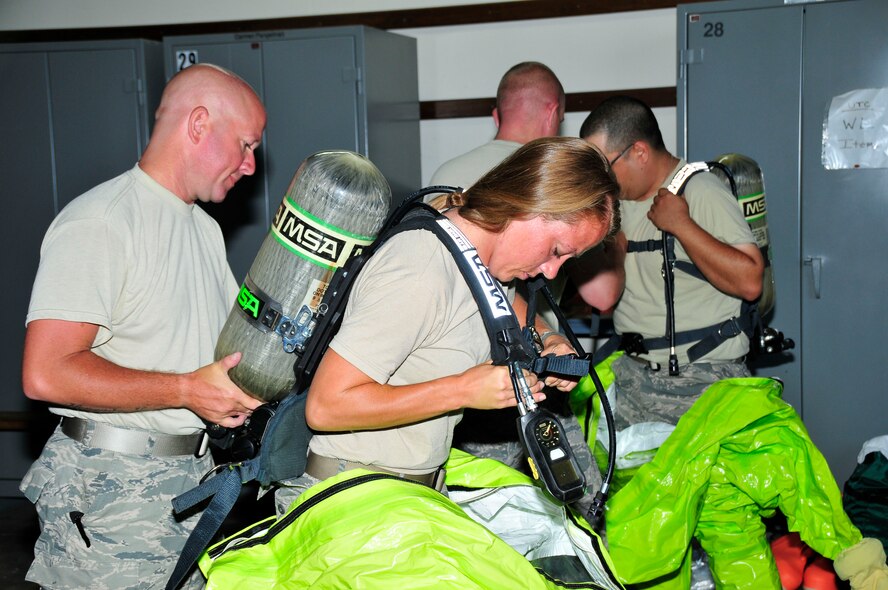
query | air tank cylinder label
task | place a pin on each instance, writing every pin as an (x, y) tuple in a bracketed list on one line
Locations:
[(313, 239), (754, 210), (753, 206)]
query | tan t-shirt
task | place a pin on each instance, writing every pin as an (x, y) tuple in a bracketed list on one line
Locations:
[(642, 307), (464, 170), (410, 318), (150, 271)]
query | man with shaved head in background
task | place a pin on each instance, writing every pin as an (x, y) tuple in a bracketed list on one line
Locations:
[(529, 105), (132, 290)]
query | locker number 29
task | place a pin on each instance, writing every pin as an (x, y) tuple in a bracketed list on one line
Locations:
[(185, 59)]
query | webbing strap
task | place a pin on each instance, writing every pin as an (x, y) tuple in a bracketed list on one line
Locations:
[(681, 338), (716, 333), (610, 346), (685, 266), (742, 324), (645, 246), (707, 339), (560, 365), (681, 178), (225, 488)]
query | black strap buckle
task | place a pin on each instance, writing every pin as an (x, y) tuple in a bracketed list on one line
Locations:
[(633, 343), (730, 328), (533, 336)]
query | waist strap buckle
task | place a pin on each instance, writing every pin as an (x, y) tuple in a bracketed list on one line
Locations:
[(633, 343), (730, 328)]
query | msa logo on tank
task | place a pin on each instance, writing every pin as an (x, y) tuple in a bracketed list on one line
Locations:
[(754, 210), (753, 206), (305, 235), (250, 302)]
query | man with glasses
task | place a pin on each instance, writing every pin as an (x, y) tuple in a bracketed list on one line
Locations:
[(710, 234)]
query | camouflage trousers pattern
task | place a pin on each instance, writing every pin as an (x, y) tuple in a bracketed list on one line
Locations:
[(134, 539), (646, 395), (289, 490)]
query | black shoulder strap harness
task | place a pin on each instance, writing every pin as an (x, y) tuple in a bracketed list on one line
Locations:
[(277, 433), (706, 339)]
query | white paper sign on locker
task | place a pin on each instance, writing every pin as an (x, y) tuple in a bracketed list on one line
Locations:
[(855, 132)]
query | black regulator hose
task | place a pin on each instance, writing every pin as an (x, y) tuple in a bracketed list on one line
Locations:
[(596, 509)]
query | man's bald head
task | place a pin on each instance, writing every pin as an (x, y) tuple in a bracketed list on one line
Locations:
[(529, 102), (203, 84), (529, 79), (206, 129)]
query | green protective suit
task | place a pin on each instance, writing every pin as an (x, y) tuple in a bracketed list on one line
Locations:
[(364, 530), (739, 454)]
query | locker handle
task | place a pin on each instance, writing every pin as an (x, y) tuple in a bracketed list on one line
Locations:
[(816, 264)]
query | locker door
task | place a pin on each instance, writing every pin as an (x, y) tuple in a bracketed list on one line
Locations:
[(27, 193), (845, 238), (311, 91), (28, 198), (95, 103), (739, 80)]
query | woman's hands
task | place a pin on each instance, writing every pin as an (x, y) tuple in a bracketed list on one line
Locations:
[(489, 387)]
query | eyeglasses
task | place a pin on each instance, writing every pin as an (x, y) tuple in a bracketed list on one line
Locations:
[(620, 155)]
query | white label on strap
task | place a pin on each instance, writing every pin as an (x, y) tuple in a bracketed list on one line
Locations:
[(681, 177)]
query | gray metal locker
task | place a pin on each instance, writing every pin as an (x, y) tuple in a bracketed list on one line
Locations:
[(351, 88), (73, 115), (731, 100), (757, 77)]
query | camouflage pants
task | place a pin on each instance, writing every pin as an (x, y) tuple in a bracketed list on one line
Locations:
[(133, 538), (291, 489), (645, 395)]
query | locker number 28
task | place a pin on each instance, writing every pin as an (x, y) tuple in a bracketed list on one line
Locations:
[(713, 29)]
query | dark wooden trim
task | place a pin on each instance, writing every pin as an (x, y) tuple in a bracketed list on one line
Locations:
[(456, 109), (654, 97), (575, 102), (389, 19), (15, 421)]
